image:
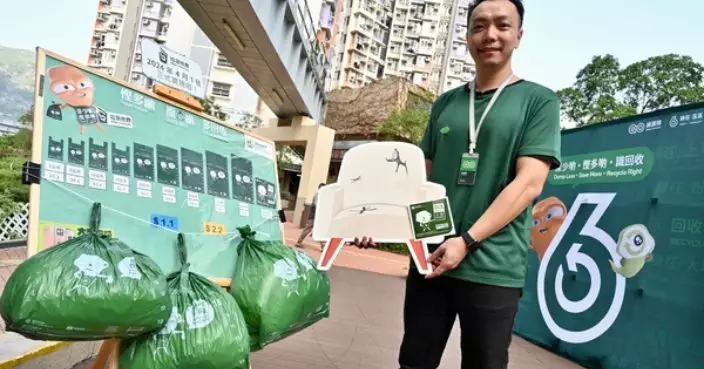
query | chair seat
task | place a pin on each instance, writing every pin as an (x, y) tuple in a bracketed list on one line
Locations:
[(376, 220)]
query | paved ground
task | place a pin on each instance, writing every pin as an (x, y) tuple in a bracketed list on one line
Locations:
[(364, 331), (9, 259), (365, 326)]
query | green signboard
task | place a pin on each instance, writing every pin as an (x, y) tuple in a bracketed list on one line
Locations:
[(616, 275), (156, 168)]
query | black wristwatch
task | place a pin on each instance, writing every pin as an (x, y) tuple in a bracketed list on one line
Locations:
[(470, 242)]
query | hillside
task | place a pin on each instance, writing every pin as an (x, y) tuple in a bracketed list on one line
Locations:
[(16, 81)]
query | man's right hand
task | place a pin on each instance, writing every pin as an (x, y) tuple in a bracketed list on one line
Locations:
[(364, 243)]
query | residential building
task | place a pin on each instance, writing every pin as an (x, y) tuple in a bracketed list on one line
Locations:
[(107, 39), (328, 32), (120, 27), (419, 40), (458, 67)]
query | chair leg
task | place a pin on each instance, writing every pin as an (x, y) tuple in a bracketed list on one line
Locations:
[(330, 251), (419, 251)]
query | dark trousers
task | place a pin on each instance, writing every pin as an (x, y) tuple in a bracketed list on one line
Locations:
[(486, 315)]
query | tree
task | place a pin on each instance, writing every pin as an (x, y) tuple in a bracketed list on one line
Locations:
[(14, 151), (241, 119), (246, 121), (604, 91), (211, 108), (662, 81), (27, 119), (408, 123)]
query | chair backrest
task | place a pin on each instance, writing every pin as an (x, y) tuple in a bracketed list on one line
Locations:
[(382, 173)]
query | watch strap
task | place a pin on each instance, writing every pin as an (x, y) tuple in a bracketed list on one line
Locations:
[(470, 242)]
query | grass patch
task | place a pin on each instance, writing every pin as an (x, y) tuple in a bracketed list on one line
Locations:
[(396, 248)]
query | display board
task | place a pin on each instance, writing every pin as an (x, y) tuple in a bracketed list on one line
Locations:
[(156, 168), (616, 275)]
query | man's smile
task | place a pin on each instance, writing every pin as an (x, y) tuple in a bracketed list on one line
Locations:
[(489, 49)]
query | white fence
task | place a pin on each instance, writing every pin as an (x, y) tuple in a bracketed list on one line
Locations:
[(15, 226)]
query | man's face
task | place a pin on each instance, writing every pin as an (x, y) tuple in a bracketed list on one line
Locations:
[(494, 32)]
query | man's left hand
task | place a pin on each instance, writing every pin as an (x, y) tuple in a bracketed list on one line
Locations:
[(448, 256)]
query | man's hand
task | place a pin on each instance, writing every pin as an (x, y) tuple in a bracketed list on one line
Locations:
[(364, 243), (448, 256)]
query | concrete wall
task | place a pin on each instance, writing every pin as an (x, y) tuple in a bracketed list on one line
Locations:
[(318, 141)]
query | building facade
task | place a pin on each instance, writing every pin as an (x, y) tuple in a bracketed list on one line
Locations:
[(458, 67), (419, 40), (328, 32), (120, 27)]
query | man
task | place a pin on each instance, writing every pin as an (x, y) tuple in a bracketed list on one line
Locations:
[(493, 167), (311, 219)]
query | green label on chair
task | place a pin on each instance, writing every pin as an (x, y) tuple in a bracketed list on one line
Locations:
[(431, 219)]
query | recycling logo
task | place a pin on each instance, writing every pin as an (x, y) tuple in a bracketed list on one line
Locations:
[(635, 128)]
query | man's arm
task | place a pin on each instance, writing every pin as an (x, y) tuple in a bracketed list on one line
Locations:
[(538, 152), (515, 198), (428, 167)]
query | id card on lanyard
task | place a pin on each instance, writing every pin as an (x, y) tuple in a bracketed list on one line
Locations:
[(470, 160)]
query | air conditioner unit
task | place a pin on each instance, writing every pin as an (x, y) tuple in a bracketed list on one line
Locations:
[(138, 57)]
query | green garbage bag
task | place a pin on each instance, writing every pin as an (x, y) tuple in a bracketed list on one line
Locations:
[(91, 287), (206, 329), (278, 288)]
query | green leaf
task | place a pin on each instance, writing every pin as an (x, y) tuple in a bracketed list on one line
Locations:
[(406, 123), (603, 91), (15, 150)]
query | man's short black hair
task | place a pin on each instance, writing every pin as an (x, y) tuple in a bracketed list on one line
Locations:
[(517, 3)]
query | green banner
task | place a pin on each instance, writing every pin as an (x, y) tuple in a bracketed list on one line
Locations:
[(157, 170), (616, 273)]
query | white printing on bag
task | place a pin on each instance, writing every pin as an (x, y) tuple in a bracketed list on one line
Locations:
[(128, 268), (200, 314)]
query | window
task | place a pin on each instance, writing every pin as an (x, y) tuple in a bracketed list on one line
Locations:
[(163, 29), (221, 89), (223, 61)]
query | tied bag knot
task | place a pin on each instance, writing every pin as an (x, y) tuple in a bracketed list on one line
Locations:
[(246, 232)]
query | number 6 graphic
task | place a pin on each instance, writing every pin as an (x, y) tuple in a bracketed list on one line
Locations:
[(574, 257)]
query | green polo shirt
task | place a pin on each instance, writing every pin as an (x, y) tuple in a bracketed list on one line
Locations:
[(524, 121)]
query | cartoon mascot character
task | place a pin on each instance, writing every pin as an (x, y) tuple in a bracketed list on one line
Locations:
[(75, 90), (548, 216)]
